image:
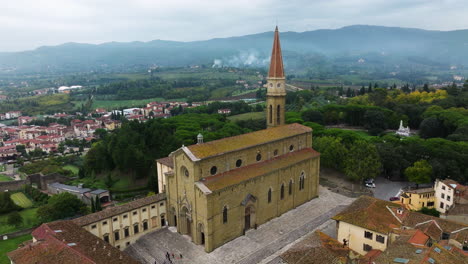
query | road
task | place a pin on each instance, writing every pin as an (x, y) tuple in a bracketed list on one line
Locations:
[(385, 189)]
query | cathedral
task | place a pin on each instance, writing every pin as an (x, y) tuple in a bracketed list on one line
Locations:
[(217, 191)]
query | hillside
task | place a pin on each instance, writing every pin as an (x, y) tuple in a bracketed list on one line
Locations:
[(376, 44)]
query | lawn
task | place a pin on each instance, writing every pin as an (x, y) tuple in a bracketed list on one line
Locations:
[(29, 220), (10, 245), (247, 116), (71, 168), (4, 178), (20, 199)]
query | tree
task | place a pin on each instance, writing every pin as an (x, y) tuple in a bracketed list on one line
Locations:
[(426, 87), (61, 206), (15, 219), (431, 127), (419, 173), (374, 121), (332, 151), (93, 205), (6, 204), (98, 205), (61, 147), (362, 161), (428, 211), (312, 116)]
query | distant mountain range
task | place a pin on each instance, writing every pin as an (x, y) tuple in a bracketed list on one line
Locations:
[(389, 45)]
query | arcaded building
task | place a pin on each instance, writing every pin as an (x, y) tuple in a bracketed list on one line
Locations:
[(217, 191)]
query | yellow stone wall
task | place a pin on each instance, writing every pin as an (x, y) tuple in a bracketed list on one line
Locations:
[(150, 213), (355, 236), (416, 201)]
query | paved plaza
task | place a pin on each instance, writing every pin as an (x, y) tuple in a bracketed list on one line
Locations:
[(261, 245)]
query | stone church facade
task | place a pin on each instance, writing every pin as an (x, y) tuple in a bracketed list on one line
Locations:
[(217, 191)]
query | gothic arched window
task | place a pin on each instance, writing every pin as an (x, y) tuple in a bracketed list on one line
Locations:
[(278, 114), (290, 187), (225, 216), (282, 192), (301, 181), (271, 114)]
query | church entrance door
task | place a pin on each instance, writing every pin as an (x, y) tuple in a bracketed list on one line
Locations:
[(247, 218), (189, 228)]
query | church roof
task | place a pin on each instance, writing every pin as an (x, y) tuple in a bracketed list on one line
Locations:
[(276, 64), (225, 145), (236, 176)]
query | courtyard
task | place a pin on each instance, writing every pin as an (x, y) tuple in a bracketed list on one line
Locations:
[(260, 245)]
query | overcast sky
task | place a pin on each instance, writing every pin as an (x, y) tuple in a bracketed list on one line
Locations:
[(28, 24)]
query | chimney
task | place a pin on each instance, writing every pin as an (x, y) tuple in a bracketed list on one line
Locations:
[(399, 211), (199, 138)]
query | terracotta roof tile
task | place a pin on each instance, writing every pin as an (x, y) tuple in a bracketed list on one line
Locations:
[(116, 210), (168, 161), (65, 242), (276, 64), (317, 248), (230, 144), (239, 175)]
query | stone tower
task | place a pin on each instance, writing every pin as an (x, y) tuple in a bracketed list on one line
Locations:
[(276, 90)]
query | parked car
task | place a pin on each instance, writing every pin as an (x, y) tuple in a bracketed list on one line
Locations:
[(394, 198), (370, 185)]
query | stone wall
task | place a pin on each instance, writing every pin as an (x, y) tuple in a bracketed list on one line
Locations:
[(12, 185)]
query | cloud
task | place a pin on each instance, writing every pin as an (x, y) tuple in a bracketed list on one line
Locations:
[(27, 24)]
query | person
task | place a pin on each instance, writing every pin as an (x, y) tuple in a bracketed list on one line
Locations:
[(180, 256)]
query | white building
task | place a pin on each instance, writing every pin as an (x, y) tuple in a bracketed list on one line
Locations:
[(445, 194)]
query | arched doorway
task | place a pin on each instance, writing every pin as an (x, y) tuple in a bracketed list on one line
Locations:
[(249, 217), (186, 221), (174, 217), (163, 220), (201, 234)]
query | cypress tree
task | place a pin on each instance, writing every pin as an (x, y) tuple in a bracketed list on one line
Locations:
[(93, 207)]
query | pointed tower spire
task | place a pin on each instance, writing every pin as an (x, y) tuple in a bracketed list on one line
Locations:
[(276, 86), (276, 64)]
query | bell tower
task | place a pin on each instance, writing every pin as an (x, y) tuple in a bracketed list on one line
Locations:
[(276, 90)]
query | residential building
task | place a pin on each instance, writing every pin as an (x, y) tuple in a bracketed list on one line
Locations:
[(122, 225), (66, 242), (445, 193), (416, 199), (372, 224)]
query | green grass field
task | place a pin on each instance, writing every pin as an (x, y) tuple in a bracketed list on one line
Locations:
[(247, 116), (10, 245), (20, 199), (29, 220), (4, 178), (71, 168)]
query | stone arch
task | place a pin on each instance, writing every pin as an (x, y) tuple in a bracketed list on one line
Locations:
[(163, 219), (185, 222), (173, 217)]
